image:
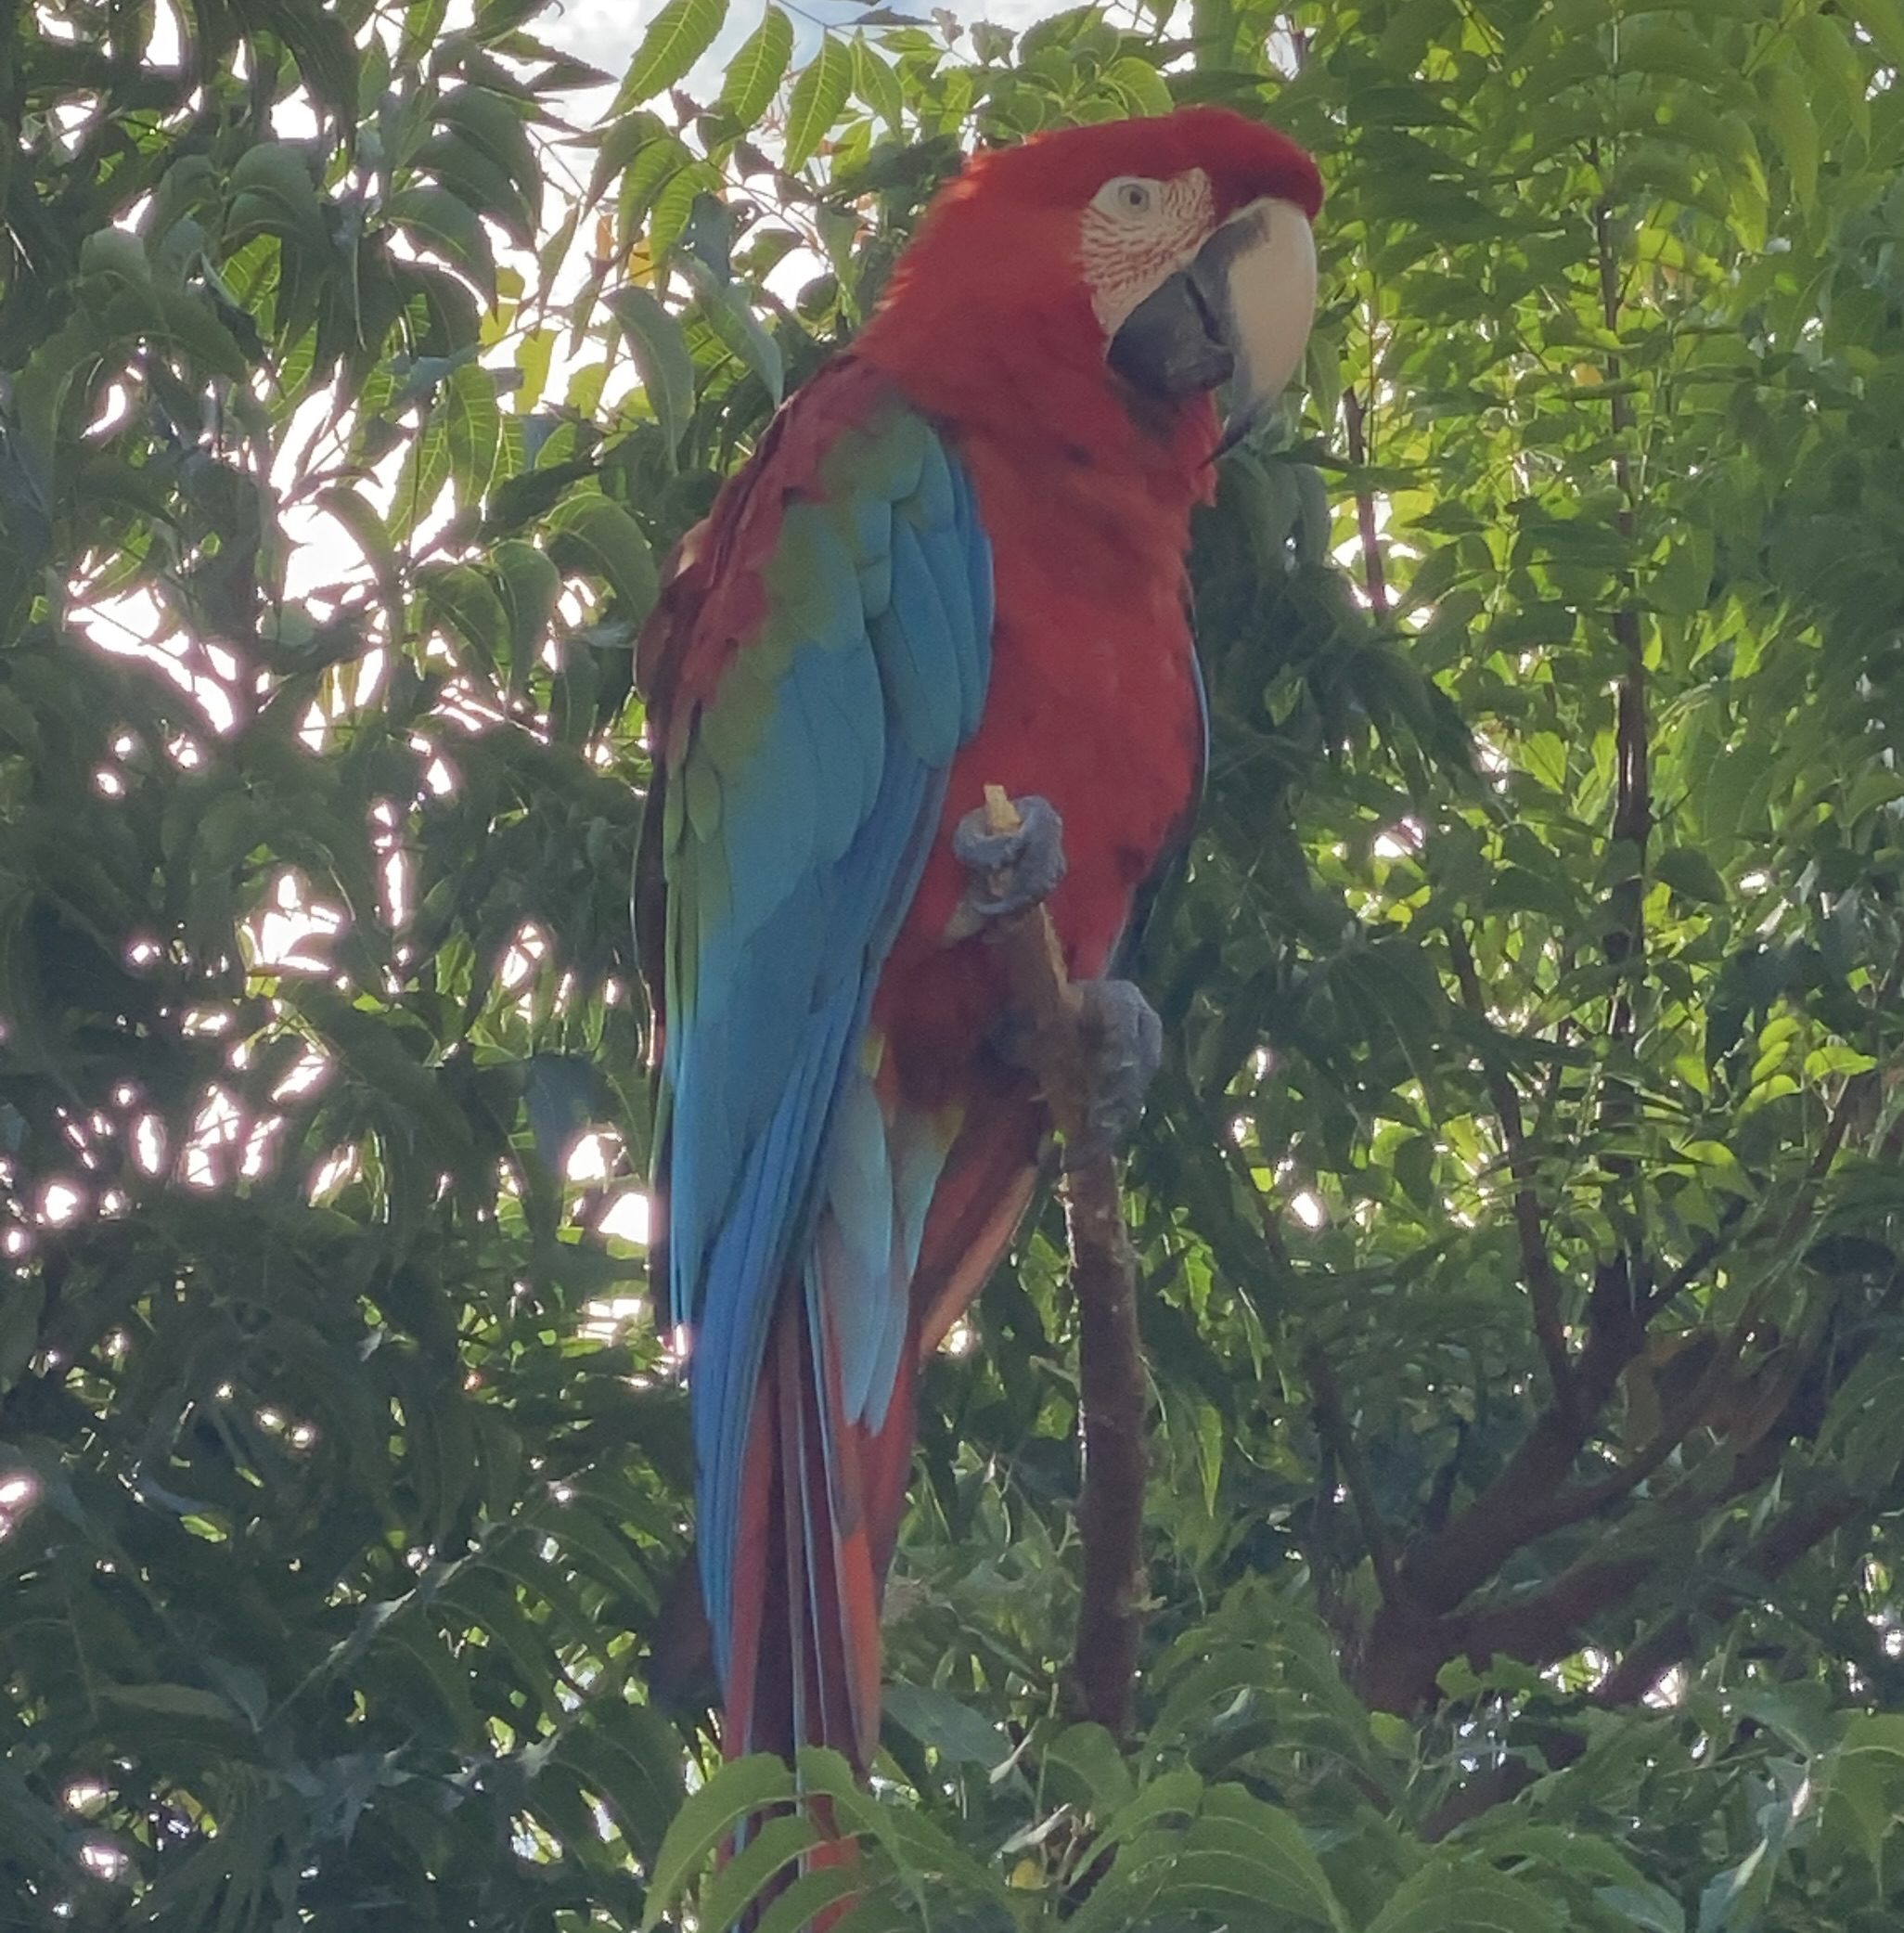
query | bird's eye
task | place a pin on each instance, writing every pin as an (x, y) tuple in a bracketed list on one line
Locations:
[(1130, 196)]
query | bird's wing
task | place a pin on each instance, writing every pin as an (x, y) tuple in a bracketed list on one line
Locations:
[(812, 669)]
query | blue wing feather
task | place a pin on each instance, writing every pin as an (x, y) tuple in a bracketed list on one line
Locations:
[(807, 809)]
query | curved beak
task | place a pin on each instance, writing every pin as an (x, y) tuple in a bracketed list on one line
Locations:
[(1238, 314)]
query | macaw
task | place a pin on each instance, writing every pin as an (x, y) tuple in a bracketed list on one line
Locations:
[(956, 559)]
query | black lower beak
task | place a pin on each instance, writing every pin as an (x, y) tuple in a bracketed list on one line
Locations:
[(1172, 345)]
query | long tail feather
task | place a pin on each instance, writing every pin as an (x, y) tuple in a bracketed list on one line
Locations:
[(918, 1212), (804, 1657)]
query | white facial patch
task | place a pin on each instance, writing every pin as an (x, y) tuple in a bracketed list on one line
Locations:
[(1135, 233)]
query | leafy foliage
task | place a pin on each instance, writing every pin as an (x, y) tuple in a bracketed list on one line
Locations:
[(1518, 1208)]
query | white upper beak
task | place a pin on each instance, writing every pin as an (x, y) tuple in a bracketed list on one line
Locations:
[(1258, 270)]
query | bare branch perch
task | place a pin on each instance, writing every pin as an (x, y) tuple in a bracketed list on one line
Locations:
[(1103, 1279)]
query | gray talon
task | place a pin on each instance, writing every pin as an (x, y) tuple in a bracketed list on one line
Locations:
[(1011, 870), (1125, 1040)]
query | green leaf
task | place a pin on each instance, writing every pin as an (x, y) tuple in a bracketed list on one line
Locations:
[(1690, 874), (990, 43), (180, 317), (1788, 109), (530, 584), (677, 36), (1867, 1785), (475, 432), (632, 1757), (660, 351), (1650, 1907), (740, 1788), (1140, 82), (876, 84), (496, 126), (820, 94), (111, 253), (1544, 756), (605, 541), (271, 188), (1652, 46), (493, 1605), (1449, 1895), (320, 43), (1834, 65), (1088, 1754), (361, 517), (732, 319), (477, 178), (1684, 583), (755, 73), (924, 1857), (1884, 21), (796, 1911), (672, 212), (438, 220), (950, 1727), (1237, 1840), (461, 595), (640, 134), (772, 1845), (175, 1701)]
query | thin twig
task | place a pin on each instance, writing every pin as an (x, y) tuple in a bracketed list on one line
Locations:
[(1103, 1278), (1354, 415), (1853, 1096), (1632, 817), (1339, 1439), (1537, 1263)]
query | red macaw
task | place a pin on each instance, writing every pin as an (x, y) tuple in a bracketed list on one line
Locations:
[(956, 559)]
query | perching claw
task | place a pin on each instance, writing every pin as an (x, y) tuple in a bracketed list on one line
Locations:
[(1011, 870), (1124, 1044), (1014, 849)]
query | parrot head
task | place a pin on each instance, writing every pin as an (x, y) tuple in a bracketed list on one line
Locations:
[(1153, 262)]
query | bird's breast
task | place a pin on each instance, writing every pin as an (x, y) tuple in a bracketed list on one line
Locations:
[(1092, 703)]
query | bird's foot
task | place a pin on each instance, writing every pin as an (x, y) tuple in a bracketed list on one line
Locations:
[(1011, 870), (1124, 1044)]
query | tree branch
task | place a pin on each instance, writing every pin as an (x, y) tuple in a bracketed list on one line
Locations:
[(1779, 1546), (1112, 1397), (1769, 1555), (1548, 1625), (1516, 1507)]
